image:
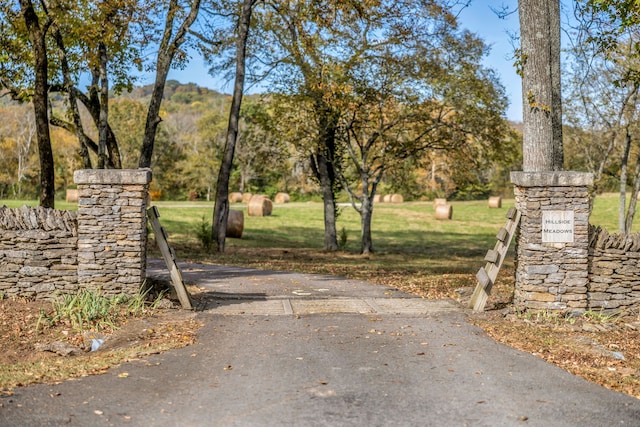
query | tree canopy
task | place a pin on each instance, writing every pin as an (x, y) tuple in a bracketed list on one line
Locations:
[(354, 92)]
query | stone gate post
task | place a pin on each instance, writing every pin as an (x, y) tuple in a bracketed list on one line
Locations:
[(553, 240), (112, 229)]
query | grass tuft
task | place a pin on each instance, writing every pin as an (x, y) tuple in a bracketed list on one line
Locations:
[(92, 310)]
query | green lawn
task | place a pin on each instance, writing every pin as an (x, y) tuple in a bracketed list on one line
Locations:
[(409, 228), (397, 228), (413, 250)]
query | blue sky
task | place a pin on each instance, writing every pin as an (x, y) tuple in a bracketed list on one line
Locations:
[(478, 18), (497, 32)]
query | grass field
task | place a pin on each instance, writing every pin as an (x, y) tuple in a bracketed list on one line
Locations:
[(397, 228), (413, 251)]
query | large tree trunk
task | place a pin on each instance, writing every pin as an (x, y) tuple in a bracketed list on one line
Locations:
[(542, 102), (221, 207), (368, 186), (40, 103), (166, 53)]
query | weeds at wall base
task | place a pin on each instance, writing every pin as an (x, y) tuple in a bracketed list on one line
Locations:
[(554, 317), (92, 310)]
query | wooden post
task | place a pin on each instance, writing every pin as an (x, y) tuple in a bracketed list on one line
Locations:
[(169, 259), (495, 257)]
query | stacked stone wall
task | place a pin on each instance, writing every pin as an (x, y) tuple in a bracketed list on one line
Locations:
[(112, 229), (38, 252), (44, 252), (551, 276), (614, 271)]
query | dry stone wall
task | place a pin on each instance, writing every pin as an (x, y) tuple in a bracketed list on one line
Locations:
[(590, 270), (551, 275), (614, 271), (45, 251), (112, 228), (38, 252)]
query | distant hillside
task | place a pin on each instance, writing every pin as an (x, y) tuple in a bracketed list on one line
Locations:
[(175, 91)]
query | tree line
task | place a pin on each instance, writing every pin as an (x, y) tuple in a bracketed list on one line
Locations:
[(189, 146), (362, 94)]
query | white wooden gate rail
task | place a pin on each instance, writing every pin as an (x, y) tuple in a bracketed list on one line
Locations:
[(487, 275), (169, 258)]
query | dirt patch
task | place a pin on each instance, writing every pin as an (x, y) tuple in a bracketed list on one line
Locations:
[(33, 352), (603, 350)]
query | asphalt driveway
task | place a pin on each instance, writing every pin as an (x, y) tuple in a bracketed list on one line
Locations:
[(286, 349)]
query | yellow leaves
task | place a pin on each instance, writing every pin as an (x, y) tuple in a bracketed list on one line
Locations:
[(330, 91), (536, 105), (520, 62)]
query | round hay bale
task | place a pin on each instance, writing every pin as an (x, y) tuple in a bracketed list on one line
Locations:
[(495, 202), (235, 223), (437, 202), (235, 197), (72, 195), (377, 198), (444, 211), (282, 198), (397, 198), (386, 198), (259, 206), (246, 197)]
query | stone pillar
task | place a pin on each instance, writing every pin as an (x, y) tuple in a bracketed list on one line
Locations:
[(553, 240), (112, 229)]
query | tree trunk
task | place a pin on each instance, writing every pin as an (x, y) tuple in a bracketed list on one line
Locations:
[(92, 103), (321, 168), (323, 164), (542, 102), (104, 107), (624, 162), (40, 103), (166, 53), (631, 212), (74, 112), (221, 207), (366, 214)]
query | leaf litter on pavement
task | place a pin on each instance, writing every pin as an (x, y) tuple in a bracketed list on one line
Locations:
[(601, 349)]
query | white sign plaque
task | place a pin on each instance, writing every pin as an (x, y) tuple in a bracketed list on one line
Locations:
[(557, 226)]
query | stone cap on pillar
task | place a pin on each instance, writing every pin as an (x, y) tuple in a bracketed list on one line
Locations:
[(552, 179), (112, 176)]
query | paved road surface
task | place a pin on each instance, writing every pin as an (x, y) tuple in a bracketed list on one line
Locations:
[(285, 349)]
